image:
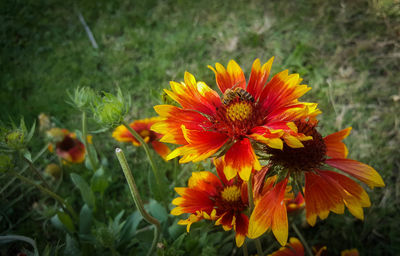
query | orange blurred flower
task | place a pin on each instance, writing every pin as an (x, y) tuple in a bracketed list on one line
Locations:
[(293, 248), (248, 113), (142, 127), (67, 146)]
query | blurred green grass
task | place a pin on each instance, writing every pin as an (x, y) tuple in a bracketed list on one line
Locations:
[(349, 52)]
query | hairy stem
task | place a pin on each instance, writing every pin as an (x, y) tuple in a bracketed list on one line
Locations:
[(67, 207), (33, 168), (136, 197), (89, 153), (147, 150), (303, 241)]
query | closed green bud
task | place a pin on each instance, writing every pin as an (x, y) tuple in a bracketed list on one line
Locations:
[(16, 138), (110, 110)]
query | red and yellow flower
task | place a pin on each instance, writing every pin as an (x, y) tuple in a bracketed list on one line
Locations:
[(324, 190), (142, 127), (214, 198), (67, 146), (248, 113)]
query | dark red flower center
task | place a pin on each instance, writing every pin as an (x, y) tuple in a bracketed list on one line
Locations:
[(238, 114), (307, 158), (66, 144)]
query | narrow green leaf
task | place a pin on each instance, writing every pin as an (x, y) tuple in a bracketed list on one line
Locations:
[(85, 219), (86, 192), (66, 221)]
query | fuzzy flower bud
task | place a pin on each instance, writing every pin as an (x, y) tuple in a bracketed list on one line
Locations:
[(16, 138), (82, 97), (110, 110)]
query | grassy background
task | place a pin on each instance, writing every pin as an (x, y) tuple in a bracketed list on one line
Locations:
[(348, 51)]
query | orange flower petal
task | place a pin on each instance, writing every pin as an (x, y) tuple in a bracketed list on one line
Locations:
[(335, 148), (270, 212), (321, 196), (228, 78), (293, 248), (172, 120), (202, 144), (283, 90), (354, 196), (161, 149), (351, 252), (258, 77), (194, 95), (241, 226), (241, 159), (363, 172)]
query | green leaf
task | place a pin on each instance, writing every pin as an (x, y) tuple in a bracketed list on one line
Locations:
[(157, 210), (128, 230), (99, 182), (86, 192), (72, 247), (85, 219), (66, 220)]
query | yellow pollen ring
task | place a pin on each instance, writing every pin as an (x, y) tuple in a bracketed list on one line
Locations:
[(239, 111), (231, 194)]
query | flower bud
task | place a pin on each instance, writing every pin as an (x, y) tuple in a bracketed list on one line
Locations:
[(111, 109), (82, 97)]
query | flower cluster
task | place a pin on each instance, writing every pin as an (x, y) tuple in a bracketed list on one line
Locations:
[(262, 139)]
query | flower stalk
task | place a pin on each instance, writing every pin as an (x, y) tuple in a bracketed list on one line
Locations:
[(67, 207), (89, 152), (137, 199), (303, 241), (147, 150), (33, 168)]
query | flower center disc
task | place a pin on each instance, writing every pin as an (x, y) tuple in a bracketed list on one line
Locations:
[(239, 111), (231, 194)]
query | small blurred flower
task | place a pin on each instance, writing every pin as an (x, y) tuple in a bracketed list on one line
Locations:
[(296, 204), (293, 248), (53, 170), (350, 252), (142, 127), (247, 114), (44, 122), (214, 198), (67, 146)]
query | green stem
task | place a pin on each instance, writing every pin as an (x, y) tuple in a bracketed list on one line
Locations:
[(41, 152), (303, 241), (148, 153), (89, 153), (137, 199), (67, 207), (33, 168), (245, 252), (251, 207)]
